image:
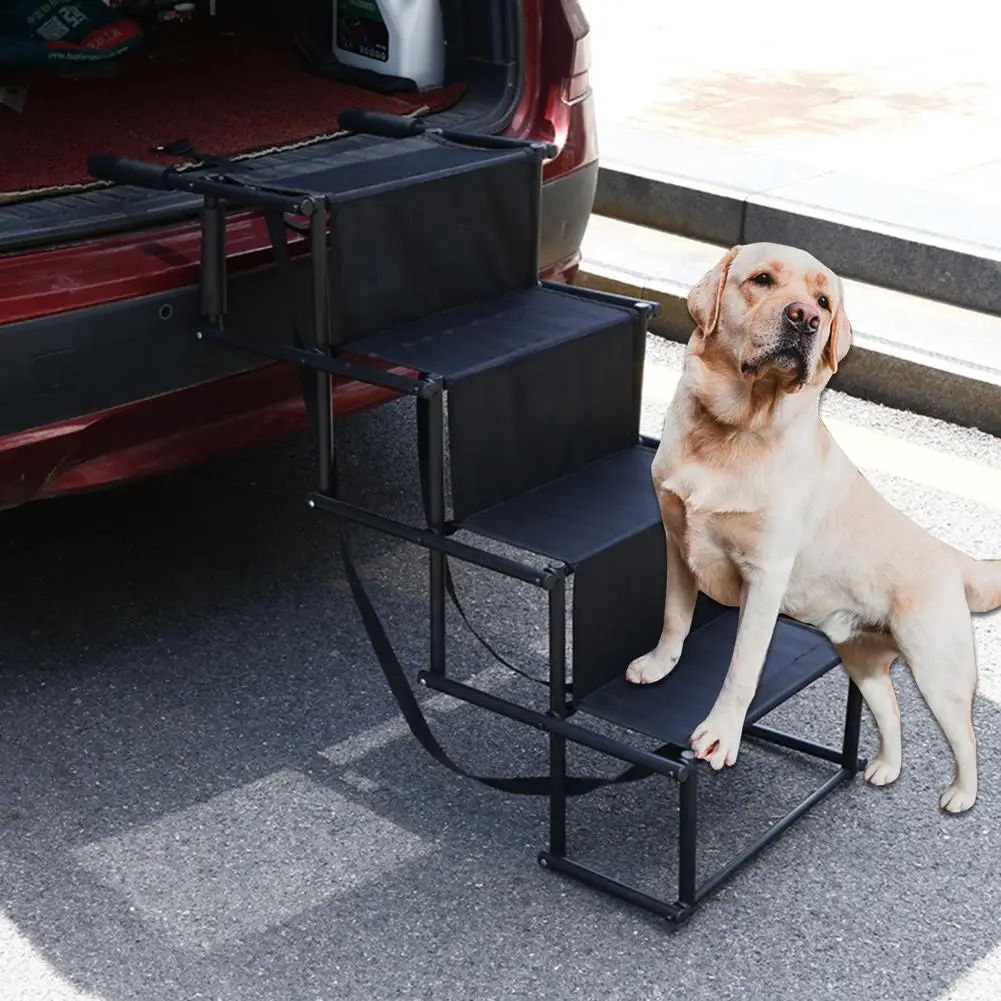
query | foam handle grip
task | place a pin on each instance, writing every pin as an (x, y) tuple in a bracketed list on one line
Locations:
[(377, 123), (106, 167)]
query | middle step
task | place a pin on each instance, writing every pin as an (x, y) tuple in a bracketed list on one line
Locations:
[(544, 400), (540, 382)]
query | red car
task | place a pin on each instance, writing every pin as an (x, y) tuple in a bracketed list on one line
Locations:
[(100, 380)]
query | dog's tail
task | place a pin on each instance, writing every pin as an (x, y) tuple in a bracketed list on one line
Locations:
[(982, 579)]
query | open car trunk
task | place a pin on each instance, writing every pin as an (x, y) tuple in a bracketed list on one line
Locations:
[(253, 83)]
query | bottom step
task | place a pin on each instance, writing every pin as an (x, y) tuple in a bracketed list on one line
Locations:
[(671, 709)]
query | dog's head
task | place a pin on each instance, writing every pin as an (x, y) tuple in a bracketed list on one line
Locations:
[(773, 315)]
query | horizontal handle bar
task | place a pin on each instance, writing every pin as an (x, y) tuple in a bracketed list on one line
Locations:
[(378, 123), (140, 174)]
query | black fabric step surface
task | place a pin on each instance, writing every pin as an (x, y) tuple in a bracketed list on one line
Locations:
[(579, 514), (401, 162), (671, 709), (469, 339), (429, 227), (604, 520)]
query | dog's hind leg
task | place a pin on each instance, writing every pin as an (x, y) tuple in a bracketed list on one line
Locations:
[(936, 640), (867, 661)]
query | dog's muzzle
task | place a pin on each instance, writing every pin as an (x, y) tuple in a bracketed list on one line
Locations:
[(790, 354)]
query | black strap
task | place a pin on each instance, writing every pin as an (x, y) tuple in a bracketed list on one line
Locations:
[(410, 708), (423, 451), (184, 148), (395, 675)]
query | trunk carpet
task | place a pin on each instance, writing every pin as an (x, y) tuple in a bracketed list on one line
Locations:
[(227, 90)]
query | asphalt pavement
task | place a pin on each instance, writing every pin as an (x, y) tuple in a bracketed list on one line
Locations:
[(206, 792)]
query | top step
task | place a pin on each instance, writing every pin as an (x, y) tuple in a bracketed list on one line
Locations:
[(384, 211)]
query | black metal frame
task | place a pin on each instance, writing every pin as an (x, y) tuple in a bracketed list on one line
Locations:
[(691, 892), (669, 760), (322, 358)]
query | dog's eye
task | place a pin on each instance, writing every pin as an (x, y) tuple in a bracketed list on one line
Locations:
[(763, 279), (823, 302)]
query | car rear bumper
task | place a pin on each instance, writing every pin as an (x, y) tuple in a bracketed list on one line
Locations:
[(161, 433)]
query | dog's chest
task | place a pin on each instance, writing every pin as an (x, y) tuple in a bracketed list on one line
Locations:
[(707, 536), (718, 546)]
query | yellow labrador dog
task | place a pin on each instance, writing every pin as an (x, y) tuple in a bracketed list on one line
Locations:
[(763, 511)]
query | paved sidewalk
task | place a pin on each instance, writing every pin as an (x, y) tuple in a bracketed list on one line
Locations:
[(858, 88)]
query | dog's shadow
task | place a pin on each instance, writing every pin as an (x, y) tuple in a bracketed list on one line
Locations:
[(205, 789)]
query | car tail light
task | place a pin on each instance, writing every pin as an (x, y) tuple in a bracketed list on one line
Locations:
[(554, 105), (577, 85)]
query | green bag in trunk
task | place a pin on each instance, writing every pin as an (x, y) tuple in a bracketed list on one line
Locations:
[(60, 32)]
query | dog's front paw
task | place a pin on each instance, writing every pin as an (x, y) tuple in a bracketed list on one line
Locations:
[(957, 798), (717, 740), (882, 771), (652, 666)]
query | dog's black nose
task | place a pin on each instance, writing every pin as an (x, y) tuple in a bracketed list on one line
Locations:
[(801, 317)]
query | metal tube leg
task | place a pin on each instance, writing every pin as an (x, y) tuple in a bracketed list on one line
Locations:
[(431, 416), (557, 707), (437, 584), (321, 341), (213, 259), (688, 838), (853, 722), (557, 794)]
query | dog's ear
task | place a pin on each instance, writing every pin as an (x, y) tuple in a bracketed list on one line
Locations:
[(840, 339), (706, 296)]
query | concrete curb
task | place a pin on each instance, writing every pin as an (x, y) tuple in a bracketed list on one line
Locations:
[(874, 370), (881, 252)]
